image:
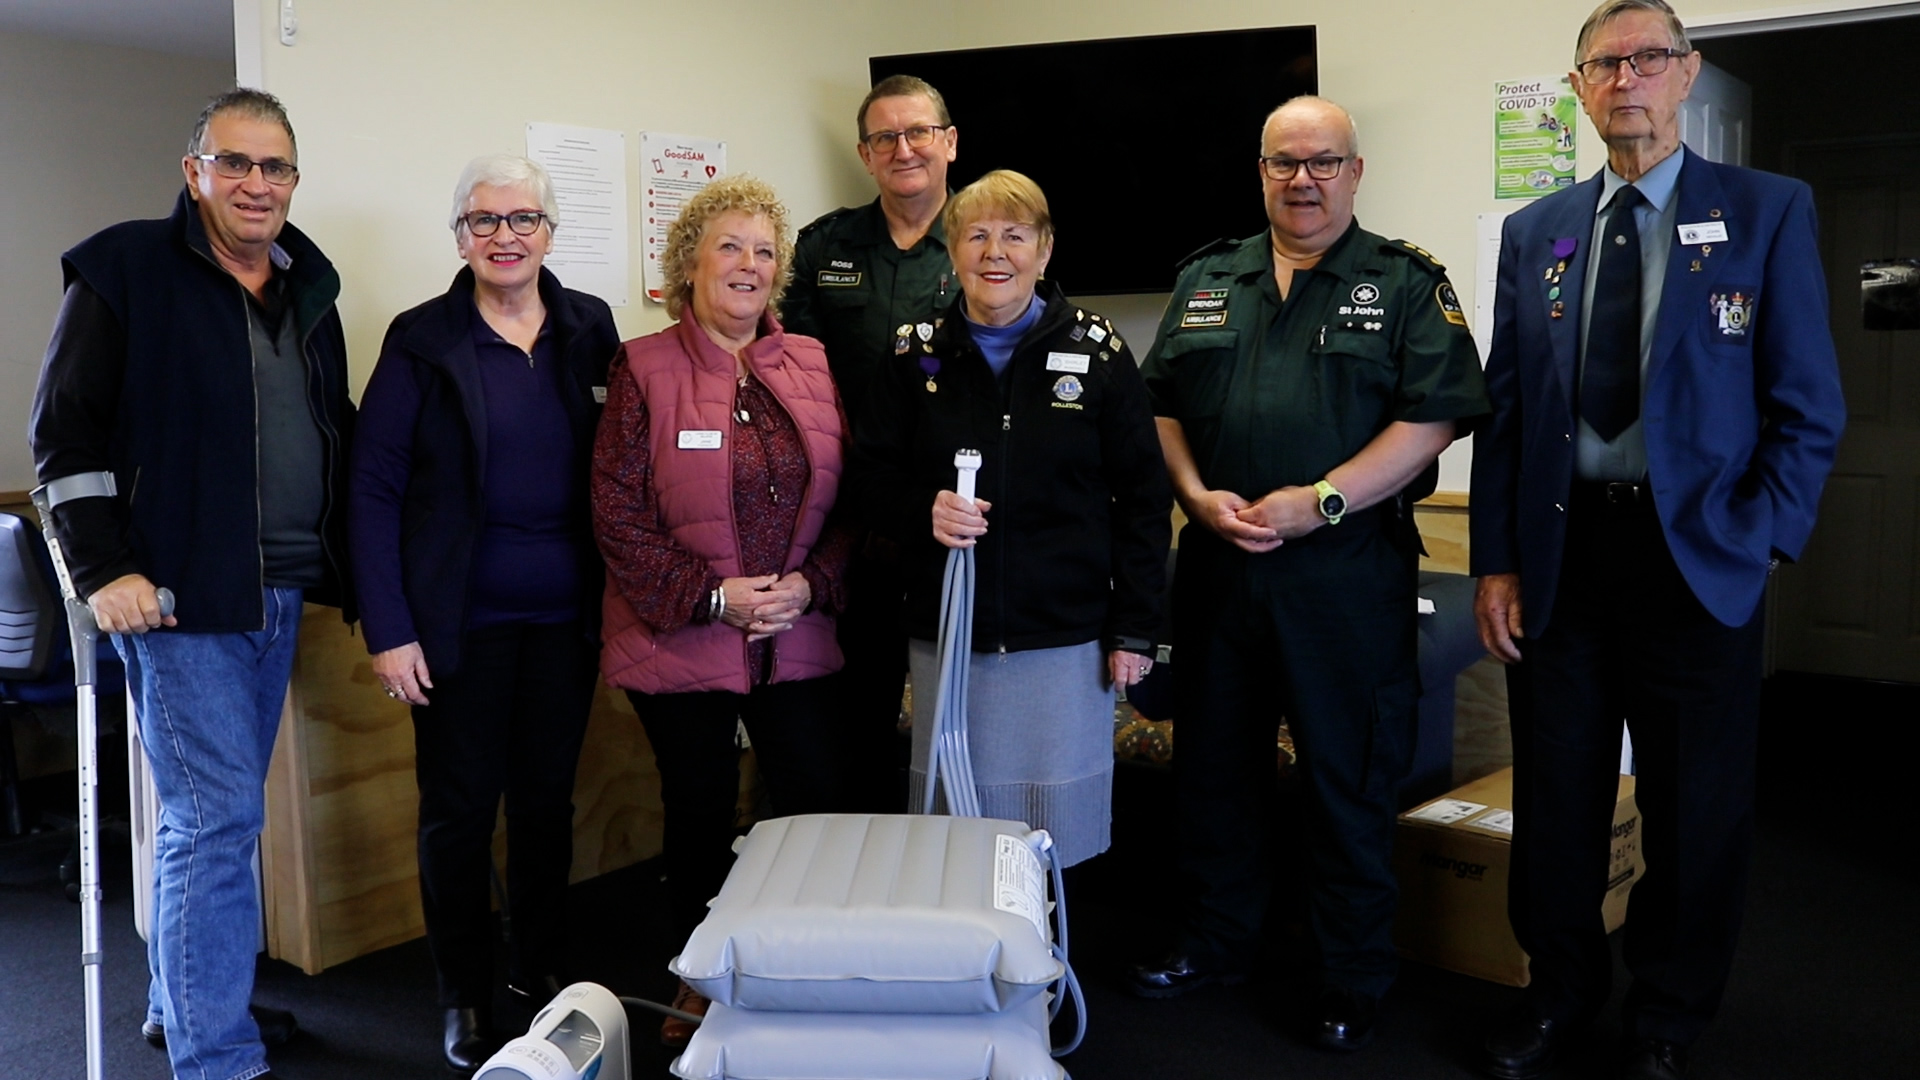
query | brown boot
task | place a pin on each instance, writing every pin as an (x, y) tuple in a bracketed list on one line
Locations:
[(674, 1031)]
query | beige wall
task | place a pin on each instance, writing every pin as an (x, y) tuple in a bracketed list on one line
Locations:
[(92, 135), (391, 99)]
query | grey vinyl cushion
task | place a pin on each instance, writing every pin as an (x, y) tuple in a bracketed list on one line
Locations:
[(878, 913), (735, 1044)]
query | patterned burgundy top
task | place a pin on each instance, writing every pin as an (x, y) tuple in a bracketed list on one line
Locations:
[(668, 585)]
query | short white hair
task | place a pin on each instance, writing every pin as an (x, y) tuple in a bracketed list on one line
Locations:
[(504, 170)]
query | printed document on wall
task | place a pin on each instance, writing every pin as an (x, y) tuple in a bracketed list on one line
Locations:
[(1534, 136), (1486, 277), (673, 169), (589, 170)]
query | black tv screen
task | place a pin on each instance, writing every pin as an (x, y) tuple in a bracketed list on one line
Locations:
[(1146, 147)]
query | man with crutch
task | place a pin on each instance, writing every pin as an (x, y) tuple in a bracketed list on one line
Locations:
[(189, 432)]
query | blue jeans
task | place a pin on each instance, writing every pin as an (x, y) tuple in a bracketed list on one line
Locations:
[(209, 707)]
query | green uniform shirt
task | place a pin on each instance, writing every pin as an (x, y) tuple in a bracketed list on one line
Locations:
[(1273, 393), (853, 289)]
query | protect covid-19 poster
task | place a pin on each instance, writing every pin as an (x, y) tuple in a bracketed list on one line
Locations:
[(1533, 137)]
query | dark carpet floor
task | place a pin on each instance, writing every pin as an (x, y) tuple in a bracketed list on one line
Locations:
[(1827, 983)]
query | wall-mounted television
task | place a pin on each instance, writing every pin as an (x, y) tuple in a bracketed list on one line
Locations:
[(1146, 147)]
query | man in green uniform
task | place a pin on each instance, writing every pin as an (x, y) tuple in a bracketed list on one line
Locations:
[(1304, 380), (862, 277)]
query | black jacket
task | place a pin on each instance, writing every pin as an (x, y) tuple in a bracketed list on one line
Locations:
[(150, 376), (1077, 538), (417, 486)]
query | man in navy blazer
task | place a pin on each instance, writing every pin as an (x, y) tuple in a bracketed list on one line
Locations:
[(1666, 408)]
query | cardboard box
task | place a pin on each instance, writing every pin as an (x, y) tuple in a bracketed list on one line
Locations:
[(1451, 855)]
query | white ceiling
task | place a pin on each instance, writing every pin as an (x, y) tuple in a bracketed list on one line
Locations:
[(202, 28)]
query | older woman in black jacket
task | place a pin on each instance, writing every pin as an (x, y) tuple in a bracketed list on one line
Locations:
[(1072, 521), (478, 579)]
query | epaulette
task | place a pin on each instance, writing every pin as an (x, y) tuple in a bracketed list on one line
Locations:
[(1415, 252), (831, 215), (1222, 244)]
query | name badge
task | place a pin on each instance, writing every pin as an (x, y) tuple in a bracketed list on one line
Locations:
[(1066, 361), (599, 395), (1704, 232), (700, 440)]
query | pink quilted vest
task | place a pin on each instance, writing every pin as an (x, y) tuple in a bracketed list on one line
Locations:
[(688, 384)]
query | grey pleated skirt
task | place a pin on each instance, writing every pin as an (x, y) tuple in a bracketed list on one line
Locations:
[(1040, 731)]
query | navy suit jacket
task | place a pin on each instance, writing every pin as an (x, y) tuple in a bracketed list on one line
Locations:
[(1741, 422)]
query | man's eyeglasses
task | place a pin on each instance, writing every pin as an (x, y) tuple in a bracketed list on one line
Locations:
[(1607, 68), (522, 222), (919, 136), (237, 166), (1286, 168)]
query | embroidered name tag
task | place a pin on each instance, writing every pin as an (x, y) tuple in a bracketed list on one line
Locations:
[(599, 395), (1203, 318), (700, 440), (1064, 361), (830, 277)]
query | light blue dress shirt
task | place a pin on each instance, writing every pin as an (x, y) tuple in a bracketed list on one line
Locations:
[(1625, 458)]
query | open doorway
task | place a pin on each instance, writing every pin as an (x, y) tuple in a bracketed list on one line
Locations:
[(1837, 106)]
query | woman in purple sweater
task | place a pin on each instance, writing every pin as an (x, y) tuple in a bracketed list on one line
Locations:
[(478, 580)]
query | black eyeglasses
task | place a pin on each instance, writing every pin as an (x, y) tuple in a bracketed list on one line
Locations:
[(1286, 168), (237, 166), (1644, 63), (919, 136), (522, 222)]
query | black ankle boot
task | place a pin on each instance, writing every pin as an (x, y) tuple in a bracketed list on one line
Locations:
[(469, 1039)]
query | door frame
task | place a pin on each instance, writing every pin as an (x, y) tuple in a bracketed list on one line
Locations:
[(1708, 27)]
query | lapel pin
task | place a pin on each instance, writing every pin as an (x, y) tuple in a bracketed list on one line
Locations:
[(1715, 212), (1705, 250), (1559, 309), (1696, 266)]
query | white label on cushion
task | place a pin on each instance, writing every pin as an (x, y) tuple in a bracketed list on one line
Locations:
[(1019, 883), (699, 440)]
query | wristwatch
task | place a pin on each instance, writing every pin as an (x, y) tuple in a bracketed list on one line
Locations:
[(1333, 505)]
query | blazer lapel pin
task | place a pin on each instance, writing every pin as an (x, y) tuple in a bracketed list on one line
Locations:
[(1563, 249)]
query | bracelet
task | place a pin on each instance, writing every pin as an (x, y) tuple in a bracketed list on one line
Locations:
[(717, 603)]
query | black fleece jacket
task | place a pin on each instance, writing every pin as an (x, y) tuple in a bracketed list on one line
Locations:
[(1077, 536)]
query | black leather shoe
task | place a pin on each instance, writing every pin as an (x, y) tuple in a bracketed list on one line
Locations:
[(1656, 1059), (1175, 975), (276, 1027), (539, 989), (469, 1040), (1522, 1046), (1343, 1019)]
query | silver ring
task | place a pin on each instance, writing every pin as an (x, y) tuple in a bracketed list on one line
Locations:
[(392, 693)]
